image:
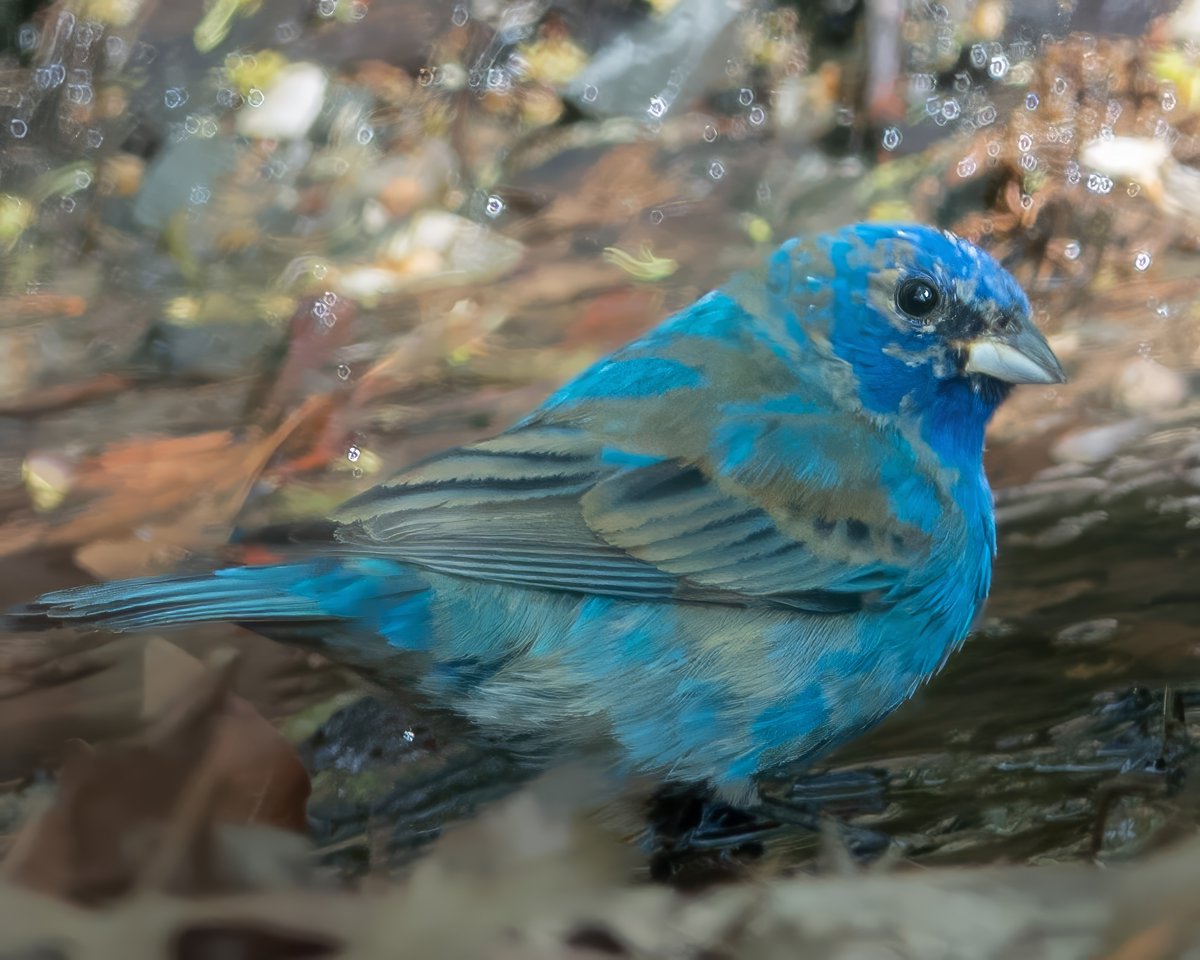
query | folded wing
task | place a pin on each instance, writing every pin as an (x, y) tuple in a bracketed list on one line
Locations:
[(550, 507)]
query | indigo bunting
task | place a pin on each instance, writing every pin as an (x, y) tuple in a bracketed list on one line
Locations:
[(736, 542)]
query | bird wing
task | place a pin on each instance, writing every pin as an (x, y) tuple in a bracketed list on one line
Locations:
[(547, 506)]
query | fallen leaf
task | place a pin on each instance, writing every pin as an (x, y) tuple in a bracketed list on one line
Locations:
[(137, 507), (154, 814)]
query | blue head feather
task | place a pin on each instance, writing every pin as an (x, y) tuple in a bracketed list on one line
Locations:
[(914, 365)]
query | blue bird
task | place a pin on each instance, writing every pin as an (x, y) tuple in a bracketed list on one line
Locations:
[(736, 542)]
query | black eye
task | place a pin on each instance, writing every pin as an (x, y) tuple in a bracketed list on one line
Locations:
[(917, 297)]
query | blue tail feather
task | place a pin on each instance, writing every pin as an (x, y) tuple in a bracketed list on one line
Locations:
[(369, 591)]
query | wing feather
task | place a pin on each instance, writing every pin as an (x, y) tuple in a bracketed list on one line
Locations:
[(549, 508)]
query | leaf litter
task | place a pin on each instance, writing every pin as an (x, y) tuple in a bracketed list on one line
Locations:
[(454, 190)]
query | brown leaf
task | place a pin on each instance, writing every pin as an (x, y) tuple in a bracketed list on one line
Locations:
[(623, 182), (179, 494), (147, 813)]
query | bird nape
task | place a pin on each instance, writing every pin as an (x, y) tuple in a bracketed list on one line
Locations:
[(734, 543)]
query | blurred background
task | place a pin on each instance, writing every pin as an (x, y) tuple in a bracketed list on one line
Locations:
[(257, 254)]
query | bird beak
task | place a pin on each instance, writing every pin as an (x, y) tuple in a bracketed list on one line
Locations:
[(1021, 357)]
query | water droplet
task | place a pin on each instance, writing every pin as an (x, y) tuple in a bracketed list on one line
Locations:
[(845, 117), (716, 170), (1026, 202), (353, 454), (67, 204), (18, 127), (1029, 162), (114, 47), (1031, 101), (993, 148), (758, 116), (998, 67), (1163, 310), (966, 167), (287, 32), (710, 133), (343, 372), (199, 195), (27, 38), (979, 56), (1073, 174), (94, 138), (144, 54), (656, 217), (657, 108), (326, 8), (951, 109), (1168, 101), (364, 135), (1142, 260), (1133, 189), (175, 97), (892, 138), (1072, 249), (49, 77), (745, 96), (986, 115), (962, 82), (590, 93), (425, 76), (1098, 183), (1024, 143), (460, 16), (933, 106), (494, 206)]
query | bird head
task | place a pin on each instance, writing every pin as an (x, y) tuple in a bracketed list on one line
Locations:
[(921, 314)]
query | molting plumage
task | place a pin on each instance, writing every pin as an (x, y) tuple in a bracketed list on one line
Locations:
[(735, 542)]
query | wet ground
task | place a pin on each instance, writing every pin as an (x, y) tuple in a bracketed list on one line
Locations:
[(206, 323)]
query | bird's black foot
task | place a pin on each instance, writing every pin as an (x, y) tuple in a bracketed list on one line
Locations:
[(832, 799), (695, 838)]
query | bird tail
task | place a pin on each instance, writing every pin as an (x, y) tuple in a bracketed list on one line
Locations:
[(285, 593)]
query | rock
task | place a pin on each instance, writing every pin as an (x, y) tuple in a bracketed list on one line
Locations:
[(1097, 444), (290, 106), (1087, 633), (1146, 386)]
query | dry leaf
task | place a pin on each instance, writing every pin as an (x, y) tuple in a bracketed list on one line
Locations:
[(147, 814), (135, 508)]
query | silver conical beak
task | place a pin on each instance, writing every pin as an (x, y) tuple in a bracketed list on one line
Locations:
[(1024, 357)]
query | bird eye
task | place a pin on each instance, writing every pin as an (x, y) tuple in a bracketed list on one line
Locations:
[(917, 297)]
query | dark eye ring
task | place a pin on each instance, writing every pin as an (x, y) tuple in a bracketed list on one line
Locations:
[(917, 297)]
